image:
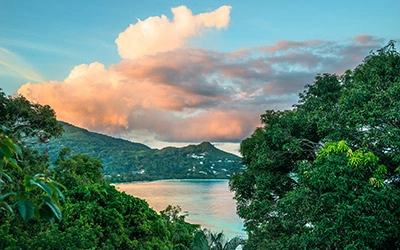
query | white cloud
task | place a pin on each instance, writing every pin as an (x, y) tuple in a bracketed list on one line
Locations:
[(159, 34)]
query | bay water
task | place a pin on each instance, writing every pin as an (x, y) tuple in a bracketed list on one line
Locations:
[(206, 202)]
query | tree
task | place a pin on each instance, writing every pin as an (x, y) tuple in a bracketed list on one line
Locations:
[(26, 120), (341, 202), (207, 240), (361, 107), (77, 170), (32, 193), (371, 103), (8, 152), (181, 233), (95, 216)]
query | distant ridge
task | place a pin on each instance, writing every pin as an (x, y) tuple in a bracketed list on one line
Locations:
[(126, 161)]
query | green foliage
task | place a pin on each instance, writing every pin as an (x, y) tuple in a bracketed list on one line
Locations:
[(181, 233), (8, 153), (208, 240), (95, 216), (323, 175), (25, 119), (118, 220), (20, 121), (336, 206), (77, 170)]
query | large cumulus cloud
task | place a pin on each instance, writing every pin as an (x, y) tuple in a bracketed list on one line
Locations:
[(159, 34), (176, 93)]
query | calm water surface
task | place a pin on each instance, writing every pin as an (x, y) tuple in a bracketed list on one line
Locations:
[(207, 202)]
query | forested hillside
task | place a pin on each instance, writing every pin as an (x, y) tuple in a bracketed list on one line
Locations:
[(128, 161)]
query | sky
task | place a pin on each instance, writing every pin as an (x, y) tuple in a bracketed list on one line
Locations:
[(173, 73)]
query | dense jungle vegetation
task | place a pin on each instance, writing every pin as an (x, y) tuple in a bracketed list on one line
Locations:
[(325, 175)]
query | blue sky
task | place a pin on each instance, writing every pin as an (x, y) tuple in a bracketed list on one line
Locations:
[(210, 67)]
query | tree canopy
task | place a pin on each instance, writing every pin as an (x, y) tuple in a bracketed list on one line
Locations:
[(24, 184), (325, 174)]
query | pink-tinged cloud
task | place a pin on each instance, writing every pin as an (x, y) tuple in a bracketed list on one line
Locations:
[(210, 125), (86, 97), (366, 39), (159, 34), (193, 95), (285, 45)]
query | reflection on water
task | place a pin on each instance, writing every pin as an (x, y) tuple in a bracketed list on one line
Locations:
[(208, 202)]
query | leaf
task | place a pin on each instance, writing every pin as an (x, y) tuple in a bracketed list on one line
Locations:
[(53, 207), (58, 192), (6, 195), (19, 150), (14, 163), (354, 161), (349, 152), (10, 144), (7, 177), (307, 174), (38, 176), (4, 128), (25, 208), (370, 158), (43, 186), (342, 146), (28, 185), (7, 207), (32, 183), (379, 183), (57, 184), (6, 151), (4, 204), (381, 169)]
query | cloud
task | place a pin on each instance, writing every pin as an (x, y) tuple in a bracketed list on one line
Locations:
[(14, 65), (89, 94), (166, 92), (159, 34), (200, 95), (213, 125)]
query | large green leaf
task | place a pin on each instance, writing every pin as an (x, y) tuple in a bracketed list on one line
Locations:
[(58, 192), (43, 185), (5, 150), (25, 208), (56, 210), (10, 144)]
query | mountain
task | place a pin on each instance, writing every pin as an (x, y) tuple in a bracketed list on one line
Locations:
[(126, 161)]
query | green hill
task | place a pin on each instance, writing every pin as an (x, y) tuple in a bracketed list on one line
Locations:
[(126, 161)]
